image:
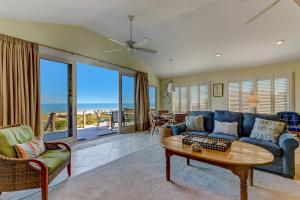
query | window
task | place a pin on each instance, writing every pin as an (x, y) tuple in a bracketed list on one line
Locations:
[(194, 92), (180, 99), (234, 96), (282, 94), (204, 97), (274, 94), (264, 94), (152, 97)]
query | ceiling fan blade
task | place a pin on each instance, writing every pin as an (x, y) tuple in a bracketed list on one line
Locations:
[(146, 50), (117, 42), (114, 50), (143, 42), (297, 2), (262, 12)]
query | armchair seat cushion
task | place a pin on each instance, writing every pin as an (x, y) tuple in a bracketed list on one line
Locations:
[(54, 158), (223, 136), (270, 146), (295, 128)]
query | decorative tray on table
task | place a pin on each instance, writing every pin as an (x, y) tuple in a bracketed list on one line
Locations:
[(207, 142)]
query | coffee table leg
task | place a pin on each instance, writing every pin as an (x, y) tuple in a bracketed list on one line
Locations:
[(188, 161), (251, 176), (242, 173), (168, 167)]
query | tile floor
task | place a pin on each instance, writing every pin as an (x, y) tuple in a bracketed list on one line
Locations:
[(92, 154)]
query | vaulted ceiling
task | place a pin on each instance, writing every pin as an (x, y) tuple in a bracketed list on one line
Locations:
[(190, 31)]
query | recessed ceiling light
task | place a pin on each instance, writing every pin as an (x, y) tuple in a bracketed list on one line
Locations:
[(280, 42), (218, 54)]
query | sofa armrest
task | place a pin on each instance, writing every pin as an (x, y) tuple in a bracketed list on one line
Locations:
[(288, 142), (177, 129)]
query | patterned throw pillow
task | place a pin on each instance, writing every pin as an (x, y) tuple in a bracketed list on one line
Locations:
[(31, 149), (229, 128), (194, 123), (267, 130)]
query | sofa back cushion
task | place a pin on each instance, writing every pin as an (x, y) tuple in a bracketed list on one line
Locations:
[(228, 116), (249, 120), (11, 136), (208, 119)]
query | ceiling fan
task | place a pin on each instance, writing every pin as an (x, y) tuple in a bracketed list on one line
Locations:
[(267, 9), (131, 44)]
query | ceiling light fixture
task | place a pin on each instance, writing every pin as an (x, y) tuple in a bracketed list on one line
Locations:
[(280, 42), (218, 55), (171, 87)]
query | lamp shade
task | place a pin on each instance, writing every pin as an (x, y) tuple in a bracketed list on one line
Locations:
[(171, 87), (253, 98)]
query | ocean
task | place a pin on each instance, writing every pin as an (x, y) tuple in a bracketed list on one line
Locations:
[(88, 107)]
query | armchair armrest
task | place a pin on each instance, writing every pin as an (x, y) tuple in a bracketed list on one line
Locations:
[(177, 129), (288, 142), (57, 145)]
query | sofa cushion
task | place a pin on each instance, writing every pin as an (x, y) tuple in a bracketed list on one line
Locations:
[(224, 136), (270, 146), (229, 128), (267, 130), (208, 119), (228, 116), (249, 120), (194, 123), (30, 149), (11, 136), (177, 129), (202, 133), (54, 158)]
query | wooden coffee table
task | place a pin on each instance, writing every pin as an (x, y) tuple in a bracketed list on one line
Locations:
[(241, 158)]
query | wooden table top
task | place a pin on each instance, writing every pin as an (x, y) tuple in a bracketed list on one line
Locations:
[(240, 153)]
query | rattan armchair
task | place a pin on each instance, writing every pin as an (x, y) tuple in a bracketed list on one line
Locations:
[(20, 174)]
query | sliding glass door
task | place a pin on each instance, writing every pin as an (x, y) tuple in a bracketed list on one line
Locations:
[(97, 101), (127, 102), (56, 99)]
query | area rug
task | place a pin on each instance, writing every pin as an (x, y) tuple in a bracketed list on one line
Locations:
[(141, 176)]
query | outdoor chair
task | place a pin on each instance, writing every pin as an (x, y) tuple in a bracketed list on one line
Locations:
[(21, 174)]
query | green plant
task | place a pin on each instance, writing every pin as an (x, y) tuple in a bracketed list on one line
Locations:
[(60, 124)]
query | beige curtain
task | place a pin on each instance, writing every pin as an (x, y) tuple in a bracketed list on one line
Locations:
[(19, 83), (142, 102)]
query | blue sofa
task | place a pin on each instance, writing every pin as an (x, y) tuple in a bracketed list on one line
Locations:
[(283, 151)]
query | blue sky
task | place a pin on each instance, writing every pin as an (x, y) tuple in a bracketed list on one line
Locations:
[(94, 84)]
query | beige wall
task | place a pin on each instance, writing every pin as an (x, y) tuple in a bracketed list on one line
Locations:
[(224, 76), (75, 39)]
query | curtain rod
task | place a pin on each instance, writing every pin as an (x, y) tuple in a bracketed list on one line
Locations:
[(74, 53)]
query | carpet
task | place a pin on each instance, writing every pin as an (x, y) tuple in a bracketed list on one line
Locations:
[(141, 176)]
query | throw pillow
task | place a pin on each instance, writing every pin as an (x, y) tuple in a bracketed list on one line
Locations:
[(30, 149), (229, 128), (267, 130), (194, 123)]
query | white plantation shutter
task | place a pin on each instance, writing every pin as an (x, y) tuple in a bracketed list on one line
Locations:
[(247, 87), (264, 93), (204, 97), (282, 94), (176, 100), (183, 99), (234, 96), (194, 93)]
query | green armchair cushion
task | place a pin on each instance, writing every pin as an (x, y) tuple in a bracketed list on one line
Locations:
[(11, 136), (54, 158)]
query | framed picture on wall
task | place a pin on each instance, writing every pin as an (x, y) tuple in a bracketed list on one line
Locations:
[(218, 90)]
